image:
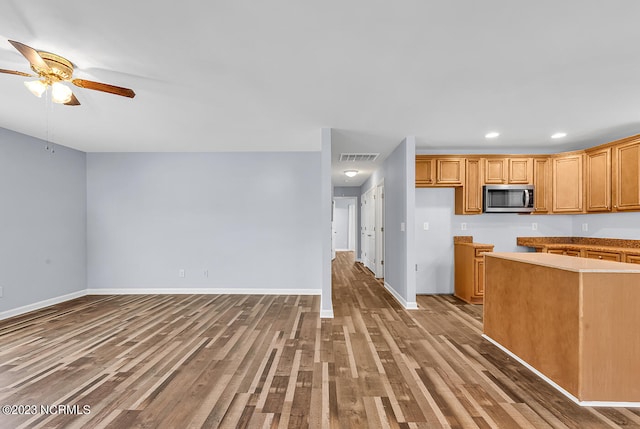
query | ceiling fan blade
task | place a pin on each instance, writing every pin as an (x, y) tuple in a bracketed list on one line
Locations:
[(73, 102), (19, 73), (117, 90), (31, 55)]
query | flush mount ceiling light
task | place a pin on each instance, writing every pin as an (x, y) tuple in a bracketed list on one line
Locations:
[(558, 135), (491, 135), (350, 173)]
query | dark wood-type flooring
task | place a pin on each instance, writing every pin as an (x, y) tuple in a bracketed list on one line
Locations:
[(262, 361)]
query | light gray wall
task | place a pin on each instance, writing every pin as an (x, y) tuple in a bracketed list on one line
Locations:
[(251, 219), (42, 221), (611, 225), (398, 173), (323, 225)]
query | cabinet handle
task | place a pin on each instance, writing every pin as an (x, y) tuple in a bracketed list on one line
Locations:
[(599, 257)]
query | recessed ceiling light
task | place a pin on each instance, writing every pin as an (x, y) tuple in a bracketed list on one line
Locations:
[(558, 135), (350, 173), (491, 135)]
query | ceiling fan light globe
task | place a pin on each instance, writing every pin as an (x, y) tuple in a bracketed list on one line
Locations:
[(37, 87), (60, 93)]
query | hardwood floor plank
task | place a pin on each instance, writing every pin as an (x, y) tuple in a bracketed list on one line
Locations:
[(269, 361)]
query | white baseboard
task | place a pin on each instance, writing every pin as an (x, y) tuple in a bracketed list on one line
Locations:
[(556, 386), (41, 304), (326, 314), (157, 291), (201, 291), (407, 305)]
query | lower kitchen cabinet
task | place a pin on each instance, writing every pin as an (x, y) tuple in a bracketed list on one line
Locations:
[(469, 271), (607, 256)]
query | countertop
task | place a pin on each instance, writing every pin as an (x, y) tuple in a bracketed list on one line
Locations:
[(579, 243), (567, 263)]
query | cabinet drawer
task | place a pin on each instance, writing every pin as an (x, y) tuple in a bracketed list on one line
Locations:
[(607, 256), (633, 259), (480, 252)]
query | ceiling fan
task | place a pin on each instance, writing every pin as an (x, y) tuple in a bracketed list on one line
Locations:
[(52, 70)]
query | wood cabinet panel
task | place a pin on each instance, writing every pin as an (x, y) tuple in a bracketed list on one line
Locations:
[(520, 171), (627, 176), (499, 171), (449, 171), (425, 171), (434, 171), (567, 184), (607, 256), (469, 271), (598, 180), (478, 273), (542, 184), (495, 171), (632, 259), (468, 198)]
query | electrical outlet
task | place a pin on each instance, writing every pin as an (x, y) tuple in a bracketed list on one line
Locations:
[(426, 226), (463, 226), (206, 273), (585, 227), (534, 226), (181, 272), (1, 291)]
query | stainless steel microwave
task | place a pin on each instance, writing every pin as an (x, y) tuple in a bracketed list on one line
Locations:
[(507, 198)]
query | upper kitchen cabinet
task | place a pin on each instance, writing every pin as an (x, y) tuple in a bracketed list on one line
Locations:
[(435, 171), (542, 185), (598, 180), (468, 198), (425, 171), (567, 183), (515, 170), (626, 175), (449, 171)]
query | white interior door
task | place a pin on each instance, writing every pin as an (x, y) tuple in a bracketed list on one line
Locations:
[(379, 231), (368, 238)]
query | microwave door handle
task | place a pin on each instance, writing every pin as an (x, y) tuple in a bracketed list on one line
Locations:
[(526, 198)]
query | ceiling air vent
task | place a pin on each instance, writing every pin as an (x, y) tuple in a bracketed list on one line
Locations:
[(358, 157)]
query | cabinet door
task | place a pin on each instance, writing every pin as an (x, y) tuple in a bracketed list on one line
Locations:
[(424, 171), (520, 171), (495, 171), (567, 184), (468, 199), (478, 271), (542, 184), (627, 176), (449, 171), (598, 180), (607, 256)]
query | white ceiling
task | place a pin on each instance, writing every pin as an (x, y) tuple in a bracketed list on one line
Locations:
[(268, 75)]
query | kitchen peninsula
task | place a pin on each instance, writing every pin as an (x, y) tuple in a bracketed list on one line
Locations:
[(573, 321)]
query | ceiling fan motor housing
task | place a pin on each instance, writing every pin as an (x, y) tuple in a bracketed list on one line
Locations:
[(60, 68)]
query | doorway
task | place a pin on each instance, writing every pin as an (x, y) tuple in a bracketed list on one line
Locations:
[(344, 224)]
